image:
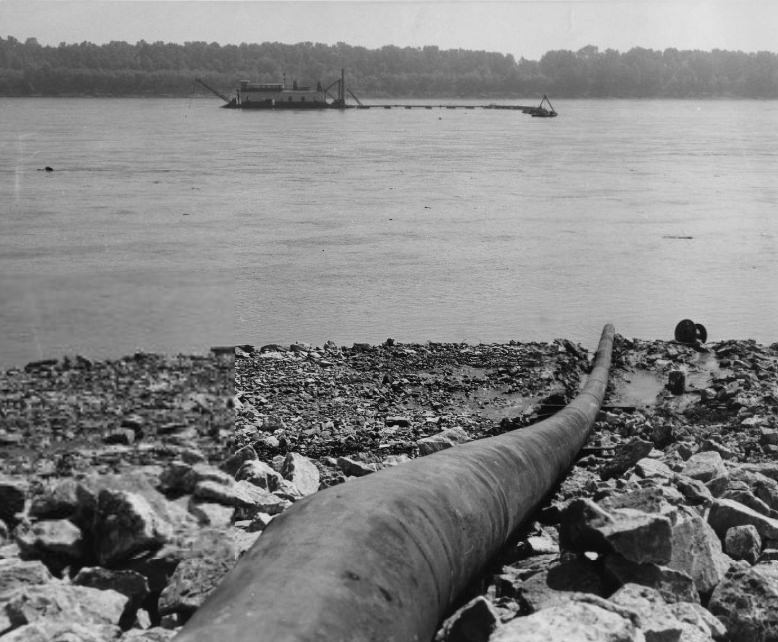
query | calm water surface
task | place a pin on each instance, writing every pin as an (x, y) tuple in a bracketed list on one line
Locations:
[(173, 225)]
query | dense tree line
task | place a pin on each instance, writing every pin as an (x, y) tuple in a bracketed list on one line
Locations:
[(165, 69)]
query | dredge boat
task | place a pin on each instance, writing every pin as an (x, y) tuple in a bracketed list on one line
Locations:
[(250, 95)]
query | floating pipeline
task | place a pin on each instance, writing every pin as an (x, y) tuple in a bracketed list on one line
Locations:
[(384, 557)]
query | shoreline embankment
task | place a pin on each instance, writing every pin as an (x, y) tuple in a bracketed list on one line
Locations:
[(129, 487)]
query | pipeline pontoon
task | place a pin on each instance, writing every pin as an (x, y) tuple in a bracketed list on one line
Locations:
[(384, 557)]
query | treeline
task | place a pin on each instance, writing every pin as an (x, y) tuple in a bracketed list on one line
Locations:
[(165, 69)]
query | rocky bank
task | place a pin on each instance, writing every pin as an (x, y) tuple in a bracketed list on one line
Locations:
[(129, 488), (89, 534)]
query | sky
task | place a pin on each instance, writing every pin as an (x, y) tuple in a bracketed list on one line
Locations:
[(524, 28)]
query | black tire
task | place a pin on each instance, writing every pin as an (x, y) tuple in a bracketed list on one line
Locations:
[(702, 333), (686, 331)]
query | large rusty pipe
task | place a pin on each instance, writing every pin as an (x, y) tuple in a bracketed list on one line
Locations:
[(385, 556)]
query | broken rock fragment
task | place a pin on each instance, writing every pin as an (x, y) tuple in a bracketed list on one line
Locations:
[(474, 621), (671, 584), (211, 557), (55, 541), (129, 583), (743, 543), (726, 513), (57, 600), (13, 493), (15, 573), (442, 440), (554, 585), (63, 500), (247, 498), (354, 468), (705, 466), (571, 621), (234, 462), (127, 524), (302, 472), (660, 621), (260, 474), (626, 456), (635, 535), (696, 551), (746, 602)]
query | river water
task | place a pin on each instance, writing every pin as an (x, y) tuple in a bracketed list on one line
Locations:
[(172, 225)]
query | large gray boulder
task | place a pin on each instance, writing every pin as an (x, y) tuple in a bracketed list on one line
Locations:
[(442, 440), (302, 472), (695, 492), (181, 477), (572, 621), (768, 469), (696, 551), (555, 585), (50, 538), (131, 584), (247, 498), (16, 573), (626, 456), (671, 584), (473, 622), (154, 634), (726, 513), (743, 543), (663, 622), (59, 601), (260, 474), (211, 557), (746, 602), (705, 466), (126, 524), (763, 487), (13, 494), (354, 468), (192, 581), (211, 513), (235, 461), (59, 501), (653, 468), (635, 535), (62, 630), (747, 498)]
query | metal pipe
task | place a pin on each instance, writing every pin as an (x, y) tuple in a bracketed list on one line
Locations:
[(385, 556)]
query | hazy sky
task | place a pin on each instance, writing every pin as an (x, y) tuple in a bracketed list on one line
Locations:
[(523, 28)]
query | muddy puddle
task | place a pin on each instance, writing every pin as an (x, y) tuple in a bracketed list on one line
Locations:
[(644, 388), (704, 370), (640, 388)]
